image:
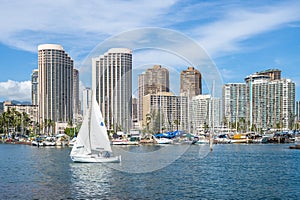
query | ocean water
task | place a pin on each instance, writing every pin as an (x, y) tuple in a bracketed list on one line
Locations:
[(254, 171)]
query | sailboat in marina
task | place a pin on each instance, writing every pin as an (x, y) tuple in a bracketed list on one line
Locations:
[(92, 144)]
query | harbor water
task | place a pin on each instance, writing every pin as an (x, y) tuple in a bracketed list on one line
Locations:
[(233, 171)]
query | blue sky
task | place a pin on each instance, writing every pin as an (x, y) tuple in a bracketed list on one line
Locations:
[(240, 37)]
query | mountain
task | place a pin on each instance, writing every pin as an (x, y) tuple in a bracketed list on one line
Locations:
[(14, 102)]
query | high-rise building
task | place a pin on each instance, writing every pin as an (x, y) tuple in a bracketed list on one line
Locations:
[(134, 108), (298, 110), (288, 103), (167, 111), (234, 104), (86, 100), (271, 101), (34, 87), (76, 108), (206, 112), (55, 78), (274, 74), (152, 81), (112, 83), (190, 82)]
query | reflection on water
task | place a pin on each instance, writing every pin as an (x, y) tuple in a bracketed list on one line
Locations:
[(90, 180)]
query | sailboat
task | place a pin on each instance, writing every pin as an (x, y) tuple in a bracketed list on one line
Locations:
[(92, 144)]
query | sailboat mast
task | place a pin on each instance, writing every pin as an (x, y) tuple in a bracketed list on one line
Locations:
[(212, 117)]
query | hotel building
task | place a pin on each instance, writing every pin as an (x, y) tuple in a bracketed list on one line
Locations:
[(190, 82), (76, 108), (167, 111), (112, 83), (55, 79), (271, 101), (31, 110), (86, 100), (234, 103), (298, 110), (205, 112), (152, 81), (34, 87)]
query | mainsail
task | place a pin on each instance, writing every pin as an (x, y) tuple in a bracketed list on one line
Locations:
[(92, 135)]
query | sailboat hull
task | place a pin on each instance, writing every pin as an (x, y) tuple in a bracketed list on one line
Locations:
[(95, 159)]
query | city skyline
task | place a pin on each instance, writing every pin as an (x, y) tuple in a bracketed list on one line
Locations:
[(240, 37)]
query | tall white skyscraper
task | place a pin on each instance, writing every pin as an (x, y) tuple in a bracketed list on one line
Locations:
[(112, 83), (205, 111), (76, 108), (86, 100), (271, 101), (55, 78), (34, 87), (298, 110), (234, 104)]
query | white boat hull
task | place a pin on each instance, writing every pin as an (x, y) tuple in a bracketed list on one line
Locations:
[(124, 142), (202, 141), (163, 140), (95, 159)]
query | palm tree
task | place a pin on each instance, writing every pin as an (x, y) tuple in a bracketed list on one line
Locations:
[(148, 121), (26, 121), (48, 124), (7, 119), (177, 123)]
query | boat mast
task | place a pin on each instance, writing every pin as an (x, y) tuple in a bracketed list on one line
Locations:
[(188, 111), (212, 118)]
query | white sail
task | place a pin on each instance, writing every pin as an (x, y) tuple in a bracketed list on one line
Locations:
[(92, 144), (82, 144), (98, 133)]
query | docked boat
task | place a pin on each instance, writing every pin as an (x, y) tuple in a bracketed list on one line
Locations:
[(297, 146), (240, 138), (92, 144), (124, 142), (37, 142), (222, 139), (49, 141), (201, 139), (148, 139), (162, 140)]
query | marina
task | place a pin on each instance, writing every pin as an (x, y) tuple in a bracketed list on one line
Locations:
[(233, 171), (176, 137)]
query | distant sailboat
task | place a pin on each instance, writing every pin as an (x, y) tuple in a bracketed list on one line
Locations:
[(92, 144)]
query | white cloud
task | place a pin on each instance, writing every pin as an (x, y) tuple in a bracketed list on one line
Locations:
[(76, 22), (239, 24), (80, 25), (13, 90)]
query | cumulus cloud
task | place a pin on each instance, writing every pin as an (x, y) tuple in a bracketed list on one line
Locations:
[(14, 90)]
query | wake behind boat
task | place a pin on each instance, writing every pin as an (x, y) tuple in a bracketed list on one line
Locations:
[(92, 144)]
